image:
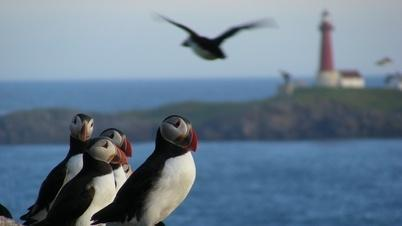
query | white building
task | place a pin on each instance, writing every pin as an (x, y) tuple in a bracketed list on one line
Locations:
[(394, 81), (350, 79)]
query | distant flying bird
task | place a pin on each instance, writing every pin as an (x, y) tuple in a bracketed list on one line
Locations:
[(81, 128), (161, 183), (209, 49), (92, 189), (286, 76), (120, 171), (384, 61)]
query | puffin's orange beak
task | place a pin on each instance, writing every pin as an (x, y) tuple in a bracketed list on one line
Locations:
[(84, 132), (119, 158), (128, 150), (194, 141)]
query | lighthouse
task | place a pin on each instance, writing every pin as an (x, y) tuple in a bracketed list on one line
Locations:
[(327, 75)]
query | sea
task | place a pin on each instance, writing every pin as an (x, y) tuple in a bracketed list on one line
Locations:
[(110, 96), (271, 183), (293, 183)]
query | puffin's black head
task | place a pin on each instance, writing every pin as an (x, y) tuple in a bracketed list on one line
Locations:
[(178, 131), (186, 43), (81, 127), (103, 149), (119, 139), (221, 55)]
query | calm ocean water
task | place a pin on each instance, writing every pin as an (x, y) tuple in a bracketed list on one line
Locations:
[(112, 96), (312, 183)]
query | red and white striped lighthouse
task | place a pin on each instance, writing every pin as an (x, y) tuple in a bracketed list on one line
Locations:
[(326, 63), (327, 75)]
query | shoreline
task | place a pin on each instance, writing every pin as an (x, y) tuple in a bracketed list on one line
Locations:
[(308, 114)]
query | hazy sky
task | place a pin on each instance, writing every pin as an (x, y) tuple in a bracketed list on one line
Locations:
[(107, 39)]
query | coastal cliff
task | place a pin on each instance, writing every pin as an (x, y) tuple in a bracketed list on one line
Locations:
[(310, 113)]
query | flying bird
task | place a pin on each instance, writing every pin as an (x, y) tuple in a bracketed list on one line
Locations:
[(120, 171), (384, 61), (81, 128), (92, 189), (286, 76), (209, 48), (161, 183)]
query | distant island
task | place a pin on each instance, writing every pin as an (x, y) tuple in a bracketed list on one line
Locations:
[(309, 113)]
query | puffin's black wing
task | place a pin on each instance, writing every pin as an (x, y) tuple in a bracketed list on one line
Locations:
[(130, 198), (4, 212), (233, 30), (48, 190), (72, 201), (188, 30)]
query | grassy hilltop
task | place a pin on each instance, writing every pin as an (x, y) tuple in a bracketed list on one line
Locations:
[(309, 113)]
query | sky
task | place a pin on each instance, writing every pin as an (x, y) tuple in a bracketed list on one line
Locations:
[(122, 39)]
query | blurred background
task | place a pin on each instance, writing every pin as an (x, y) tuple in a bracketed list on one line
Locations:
[(301, 124)]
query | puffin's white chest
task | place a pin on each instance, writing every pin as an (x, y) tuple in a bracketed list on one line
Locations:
[(105, 192), (120, 177), (176, 180), (201, 52), (74, 166)]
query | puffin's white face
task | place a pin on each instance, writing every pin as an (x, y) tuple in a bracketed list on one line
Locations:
[(179, 131), (119, 139), (103, 150), (82, 127), (116, 137)]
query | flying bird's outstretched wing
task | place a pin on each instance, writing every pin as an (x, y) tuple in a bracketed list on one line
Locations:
[(188, 30), (233, 30)]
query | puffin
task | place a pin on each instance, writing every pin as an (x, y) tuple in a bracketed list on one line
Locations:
[(209, 48), (121, 171), (161, 183), (81, 128), (90, 190)]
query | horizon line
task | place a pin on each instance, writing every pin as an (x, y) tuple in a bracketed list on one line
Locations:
[(195, 78)]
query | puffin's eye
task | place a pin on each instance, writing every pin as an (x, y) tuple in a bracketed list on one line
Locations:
[(112, 135), (75, 120), (177, 124), (92, 124), (106, 145)]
